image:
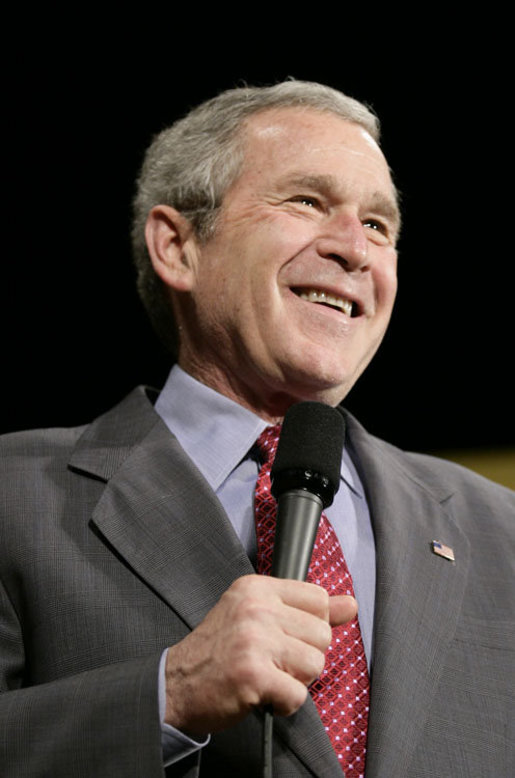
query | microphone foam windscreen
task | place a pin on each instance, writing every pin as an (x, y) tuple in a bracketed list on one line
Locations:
[(312, 438)]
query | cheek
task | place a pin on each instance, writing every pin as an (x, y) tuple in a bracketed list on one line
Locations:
[(386, 282), (279, 241)]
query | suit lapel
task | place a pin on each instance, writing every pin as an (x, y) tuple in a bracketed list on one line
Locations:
[(158, 512), (162, 518), (418, 600)]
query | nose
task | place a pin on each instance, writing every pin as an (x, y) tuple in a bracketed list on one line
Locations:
[(344, 240)]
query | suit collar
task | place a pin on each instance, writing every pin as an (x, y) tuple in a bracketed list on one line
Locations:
[(106, 443), (157, 511)]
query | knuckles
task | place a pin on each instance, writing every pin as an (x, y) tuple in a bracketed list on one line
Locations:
[(243, 653), (295, 701), (325, 636)]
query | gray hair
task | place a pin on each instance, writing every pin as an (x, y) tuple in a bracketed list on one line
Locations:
[(191, 165)]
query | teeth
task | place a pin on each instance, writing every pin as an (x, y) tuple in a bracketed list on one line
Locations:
[(314, 296)]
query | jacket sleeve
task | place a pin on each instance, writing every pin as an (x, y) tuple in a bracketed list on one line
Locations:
[(84, 711), (101, 722)]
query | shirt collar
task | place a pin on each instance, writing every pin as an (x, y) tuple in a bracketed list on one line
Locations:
[(216, 432)]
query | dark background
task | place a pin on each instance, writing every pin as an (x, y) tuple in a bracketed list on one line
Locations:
[(80, 106)]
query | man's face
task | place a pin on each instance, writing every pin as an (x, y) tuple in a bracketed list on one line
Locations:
[(292, 295)]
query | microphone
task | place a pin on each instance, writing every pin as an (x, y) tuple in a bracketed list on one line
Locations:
[(305, 477)]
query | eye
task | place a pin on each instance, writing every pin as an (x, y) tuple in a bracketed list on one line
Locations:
[(307, 200), (379, 230), (375, 224)]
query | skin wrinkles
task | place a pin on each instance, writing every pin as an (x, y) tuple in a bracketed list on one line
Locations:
[(313, 207), (327, 186)]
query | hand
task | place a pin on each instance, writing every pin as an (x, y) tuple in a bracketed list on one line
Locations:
[(263, 643)]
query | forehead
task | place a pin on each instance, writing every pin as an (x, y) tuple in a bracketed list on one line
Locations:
[(283, 141)]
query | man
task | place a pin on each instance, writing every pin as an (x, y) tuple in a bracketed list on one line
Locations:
[(136, 638)]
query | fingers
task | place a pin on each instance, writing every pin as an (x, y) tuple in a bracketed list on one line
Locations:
[(304, 596), (313, 599), (263, 643)]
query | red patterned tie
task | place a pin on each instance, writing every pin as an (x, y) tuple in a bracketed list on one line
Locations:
[(341, 694)]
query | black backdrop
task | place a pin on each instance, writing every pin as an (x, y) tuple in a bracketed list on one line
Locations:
[(79, 109)]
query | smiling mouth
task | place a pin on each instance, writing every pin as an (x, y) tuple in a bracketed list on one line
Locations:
[(329, 300)]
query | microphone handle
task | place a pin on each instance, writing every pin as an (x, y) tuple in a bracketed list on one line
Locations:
[(298, 517)]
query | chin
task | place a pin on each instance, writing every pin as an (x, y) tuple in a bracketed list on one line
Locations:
[(323, 385)]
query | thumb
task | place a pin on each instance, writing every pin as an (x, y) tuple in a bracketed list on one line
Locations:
[(342, 608)]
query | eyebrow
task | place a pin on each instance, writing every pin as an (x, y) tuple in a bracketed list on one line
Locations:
[(322, 183), (327, 184)]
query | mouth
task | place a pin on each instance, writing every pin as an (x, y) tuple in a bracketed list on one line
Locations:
[(347, 307)]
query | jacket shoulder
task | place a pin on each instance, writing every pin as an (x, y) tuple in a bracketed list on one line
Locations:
[(453, 477), (441, 478), (123, 424)]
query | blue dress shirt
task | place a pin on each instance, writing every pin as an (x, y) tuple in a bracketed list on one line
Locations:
[(219, 437)]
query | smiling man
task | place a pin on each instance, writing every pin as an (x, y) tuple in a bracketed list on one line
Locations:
[(311, 218), (138, 635)]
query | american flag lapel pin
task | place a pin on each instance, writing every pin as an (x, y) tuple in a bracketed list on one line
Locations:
[(441, 550)]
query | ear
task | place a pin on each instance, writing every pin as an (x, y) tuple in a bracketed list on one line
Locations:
[(172, 247)]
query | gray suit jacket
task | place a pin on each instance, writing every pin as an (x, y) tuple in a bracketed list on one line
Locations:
[(114, 547)]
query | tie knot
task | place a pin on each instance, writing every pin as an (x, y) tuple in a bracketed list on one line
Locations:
[(267, 442)]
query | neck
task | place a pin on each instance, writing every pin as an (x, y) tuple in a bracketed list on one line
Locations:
[(270, 404)]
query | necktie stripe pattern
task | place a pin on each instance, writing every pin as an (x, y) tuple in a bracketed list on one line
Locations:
[(341, 693)]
